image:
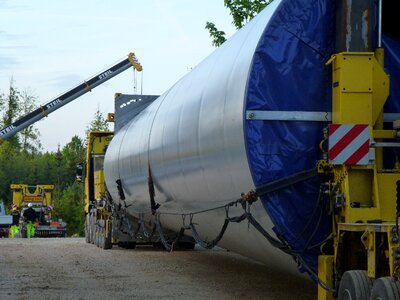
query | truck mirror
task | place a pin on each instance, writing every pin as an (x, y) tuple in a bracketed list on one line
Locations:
[(80, 172)]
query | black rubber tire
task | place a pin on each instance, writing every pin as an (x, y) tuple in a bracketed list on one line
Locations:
[(130, 245), (87, 229), (92, 230), (107, 238), (385, 288), (186, 245), (355, 285), (96, 234), (158, 245), (100, 232), (127, 245)]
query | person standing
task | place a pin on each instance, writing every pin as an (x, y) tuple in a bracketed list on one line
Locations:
[(30, 217)]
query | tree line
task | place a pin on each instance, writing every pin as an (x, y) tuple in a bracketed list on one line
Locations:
[(22, 160)]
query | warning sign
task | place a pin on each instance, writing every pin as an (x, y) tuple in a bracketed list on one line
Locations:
[(349, 144)]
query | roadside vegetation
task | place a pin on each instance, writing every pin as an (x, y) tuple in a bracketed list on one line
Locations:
[(242, 11), (22, 160)]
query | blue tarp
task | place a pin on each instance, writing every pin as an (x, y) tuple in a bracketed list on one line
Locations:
[(289, 74)]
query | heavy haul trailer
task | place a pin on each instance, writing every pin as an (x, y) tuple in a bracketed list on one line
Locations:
[(106, 223), (96, 209), (40, 196), (229, 154)]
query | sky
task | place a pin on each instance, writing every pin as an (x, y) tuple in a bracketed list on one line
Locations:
[(49, 47)]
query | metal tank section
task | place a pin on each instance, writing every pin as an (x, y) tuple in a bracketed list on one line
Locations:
[(192, 140), (250, 114)]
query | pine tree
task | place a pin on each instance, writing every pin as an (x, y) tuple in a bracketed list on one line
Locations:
[(11, 111), (99, 123), (30, 142)]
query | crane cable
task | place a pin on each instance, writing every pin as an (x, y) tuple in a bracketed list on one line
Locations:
[(134, 81)]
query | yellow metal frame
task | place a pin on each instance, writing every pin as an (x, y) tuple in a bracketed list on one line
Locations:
[(360, 88), (106, 215), (365, 203), (97, 143), (22, 195), (368, 237), (135, 62), (325, 274)]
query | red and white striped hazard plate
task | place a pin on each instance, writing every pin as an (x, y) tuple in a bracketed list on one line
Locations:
[(348, 144)]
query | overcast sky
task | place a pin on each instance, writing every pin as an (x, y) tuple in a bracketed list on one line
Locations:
[(49, 47)]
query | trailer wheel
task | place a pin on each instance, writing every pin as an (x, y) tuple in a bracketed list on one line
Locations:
[(96, 234), (130, 245), (127, 245), (92, 230), (385, 288), (186, 245), (158, 245), (102, 234), (107, 238), (99, 233), (354, 285), (87, 229)]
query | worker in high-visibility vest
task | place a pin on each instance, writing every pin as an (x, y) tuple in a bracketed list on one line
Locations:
[(14, 230), (30, 217), (30, 230)]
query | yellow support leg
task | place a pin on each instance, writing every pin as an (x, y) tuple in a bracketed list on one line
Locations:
[(325, 274)]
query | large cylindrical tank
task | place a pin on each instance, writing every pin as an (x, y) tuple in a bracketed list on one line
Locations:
[(212, 136)]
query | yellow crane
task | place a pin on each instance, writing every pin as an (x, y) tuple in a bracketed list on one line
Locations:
[(40, 198)]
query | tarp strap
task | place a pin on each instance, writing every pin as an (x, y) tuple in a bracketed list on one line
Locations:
[(214, 242), (282, 183), (169, 246), (153, 205), (146, 234)]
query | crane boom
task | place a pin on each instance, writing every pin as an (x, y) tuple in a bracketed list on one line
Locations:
[(69, 96)]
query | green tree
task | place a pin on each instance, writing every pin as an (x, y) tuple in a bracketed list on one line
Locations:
[(11, 111), (242, 11), (13, 105), (30, 142), (70, 207), (72, 154), (99, 123), (42, 168), (218, 36), (47, 168), (68, 197), (7, 157)]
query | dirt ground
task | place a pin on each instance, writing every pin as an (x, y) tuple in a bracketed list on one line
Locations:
[(71, 269)]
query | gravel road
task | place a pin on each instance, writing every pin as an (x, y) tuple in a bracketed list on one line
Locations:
[(71, 269)]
